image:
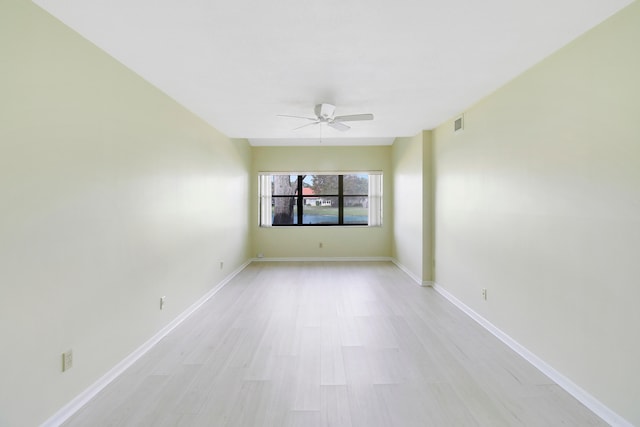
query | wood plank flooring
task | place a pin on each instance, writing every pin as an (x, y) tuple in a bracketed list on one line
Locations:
[(353, 344)]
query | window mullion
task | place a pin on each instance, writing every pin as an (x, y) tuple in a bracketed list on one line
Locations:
[(340, 200), (299, 202)]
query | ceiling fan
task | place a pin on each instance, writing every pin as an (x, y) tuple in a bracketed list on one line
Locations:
[(325, 114)]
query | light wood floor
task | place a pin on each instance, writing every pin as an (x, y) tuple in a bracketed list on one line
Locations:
[(331, 344)]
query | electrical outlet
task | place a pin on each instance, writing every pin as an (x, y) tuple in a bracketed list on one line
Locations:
[(162, 302), (484, 293), (67, 360)]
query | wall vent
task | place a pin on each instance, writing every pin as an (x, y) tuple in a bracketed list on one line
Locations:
[(458, 124)]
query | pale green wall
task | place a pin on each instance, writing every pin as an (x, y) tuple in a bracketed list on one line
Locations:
[(111, 195), (538, 200), (427, 208), (412, 244), (303, 242), (408, 184)]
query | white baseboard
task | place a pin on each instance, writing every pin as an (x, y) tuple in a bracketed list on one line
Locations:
[(410, 273), (320, 259), (580, 394), (79, 401)]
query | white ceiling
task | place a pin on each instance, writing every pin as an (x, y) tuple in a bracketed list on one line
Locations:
[(412, 63)]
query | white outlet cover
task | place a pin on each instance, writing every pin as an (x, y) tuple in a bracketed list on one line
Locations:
[(67, 360)]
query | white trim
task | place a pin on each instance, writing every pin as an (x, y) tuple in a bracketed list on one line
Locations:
[(320, 259), (569, 386), (407, 272), (83, 398)]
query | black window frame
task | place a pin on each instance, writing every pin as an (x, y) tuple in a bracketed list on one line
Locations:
[(299, 200)]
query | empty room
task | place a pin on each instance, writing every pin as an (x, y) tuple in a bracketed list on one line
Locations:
[(319, 213)]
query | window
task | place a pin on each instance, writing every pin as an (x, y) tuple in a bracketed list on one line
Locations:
[(320, 199)]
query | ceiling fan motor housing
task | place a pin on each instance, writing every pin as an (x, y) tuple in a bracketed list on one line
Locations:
[(325, 115), (324, 110)]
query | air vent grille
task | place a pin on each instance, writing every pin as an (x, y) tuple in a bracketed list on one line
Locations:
[(458, 124)]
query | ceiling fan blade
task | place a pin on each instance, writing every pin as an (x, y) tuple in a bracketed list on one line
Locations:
[(308, 124), (353, 118), (339, 126), (298, 117)]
